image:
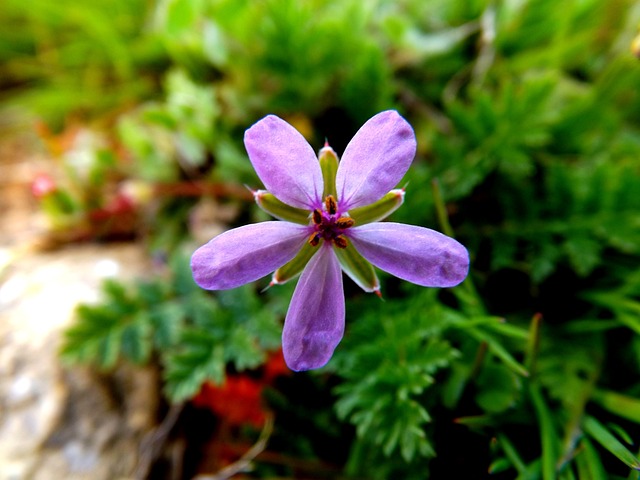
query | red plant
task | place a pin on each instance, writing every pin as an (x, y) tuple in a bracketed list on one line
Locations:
[(238, 401)]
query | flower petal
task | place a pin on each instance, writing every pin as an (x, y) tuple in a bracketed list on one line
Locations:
[(285, 162), (416, 254), (245, 254), (375, 160), (315, 321)]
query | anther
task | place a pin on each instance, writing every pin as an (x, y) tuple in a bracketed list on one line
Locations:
[(317, 217), (345, 222), (330, 203), (314, 239), (340, 241)]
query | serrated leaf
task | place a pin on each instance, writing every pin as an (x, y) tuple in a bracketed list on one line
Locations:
[(187, 371), (242, 349), (135, 339), (108, 350)]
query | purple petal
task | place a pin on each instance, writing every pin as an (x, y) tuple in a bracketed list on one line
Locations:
[(375, 160), (285, 162), (416, 254), (245, 254), (315, 321)]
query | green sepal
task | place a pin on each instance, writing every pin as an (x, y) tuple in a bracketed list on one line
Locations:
[(280, 210), (294, 267), (329, 166), (380, 209), (358, 268)]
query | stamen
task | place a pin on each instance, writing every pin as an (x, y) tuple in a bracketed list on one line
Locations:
[(327, 226), (317, 217), (330, 203), (345, 222), (314, 239), (341, 241)]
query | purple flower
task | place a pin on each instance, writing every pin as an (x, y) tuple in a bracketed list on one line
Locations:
[(330, 214)]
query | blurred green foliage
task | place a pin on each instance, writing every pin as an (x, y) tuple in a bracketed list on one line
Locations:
[(194, 335), (526, 113), (65, 58)]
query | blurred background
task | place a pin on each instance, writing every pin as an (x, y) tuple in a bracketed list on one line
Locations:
[(121, 126)]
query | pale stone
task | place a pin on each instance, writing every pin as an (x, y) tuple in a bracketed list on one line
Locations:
[(65, 422)]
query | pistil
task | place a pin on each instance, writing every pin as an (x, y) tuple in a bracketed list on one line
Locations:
[(329, 225)]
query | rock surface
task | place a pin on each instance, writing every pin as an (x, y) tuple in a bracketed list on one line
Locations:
[(66, 422), (56, 421)]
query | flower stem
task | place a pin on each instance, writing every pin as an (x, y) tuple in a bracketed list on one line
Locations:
[(441, 209)]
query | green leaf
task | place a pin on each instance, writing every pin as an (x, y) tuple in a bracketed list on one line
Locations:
[(393, 353), (108, 350), (548, 434), (600, 434), (498, 466), (583, 253), (498, 388), (187, 370), (499, 351), (589, 464), (511, 453), (167, 320), (619, 404), (135, 339)]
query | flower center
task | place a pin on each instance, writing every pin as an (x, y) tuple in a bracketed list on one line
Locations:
[(329, 224)]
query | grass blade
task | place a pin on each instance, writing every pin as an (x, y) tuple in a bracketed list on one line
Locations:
[(604, 437)]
